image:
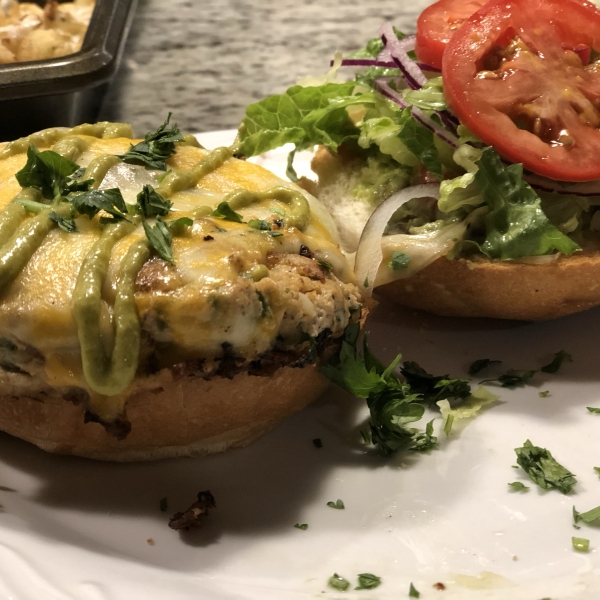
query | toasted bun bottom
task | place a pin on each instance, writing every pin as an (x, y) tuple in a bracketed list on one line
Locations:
[(182, 417), (502, 290)]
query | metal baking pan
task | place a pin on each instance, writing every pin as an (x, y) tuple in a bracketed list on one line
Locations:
[(68, 90)]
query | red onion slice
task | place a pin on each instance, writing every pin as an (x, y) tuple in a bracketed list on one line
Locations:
[(382, 85), (369, 254), (366, 62), (398, 50)]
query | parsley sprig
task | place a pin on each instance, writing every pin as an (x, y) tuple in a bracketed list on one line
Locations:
[(393, 403), (156, 147)]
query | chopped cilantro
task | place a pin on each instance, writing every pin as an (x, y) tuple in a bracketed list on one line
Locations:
[(337, 582), (413, 592), (275, 233), (303, 526), (317, 443), (544, 394), (324, 264), (424, 441), (51, 174), (160, 238), (580, 544), (543, 469), (156, 147), (151, 204), (513, 378), (337, 504), (596, 411), (92, 202), (259, 224), (517, 486), (399, 261), (368, 581), (557, 362), (179, 226), (67, 225), (587, 517), (225, 212), (434, 387), (597, 469), (481, 364), (163, 504)]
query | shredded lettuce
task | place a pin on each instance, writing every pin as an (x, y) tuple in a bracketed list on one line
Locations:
[(430, 97), (470, 406), (384, 132), (516, 225)]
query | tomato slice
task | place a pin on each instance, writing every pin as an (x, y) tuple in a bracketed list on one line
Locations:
[(517, 75), (438, 23)]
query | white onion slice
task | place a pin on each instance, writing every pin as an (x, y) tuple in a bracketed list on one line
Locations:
[(369, 254)]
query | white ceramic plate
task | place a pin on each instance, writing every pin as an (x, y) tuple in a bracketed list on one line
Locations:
[(77, 529)]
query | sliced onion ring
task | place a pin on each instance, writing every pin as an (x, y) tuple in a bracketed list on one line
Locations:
[(369, 254), (398, 50)]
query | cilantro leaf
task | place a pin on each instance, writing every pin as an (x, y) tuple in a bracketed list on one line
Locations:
[(434, 388), (337, 504), (513, 378), (49, 173), (151, 204), (160, 238), (543, 469), (413, 592), (67, 225), (337, 582), (593, 410), (259, 224), (303, 526), (557, 362), (92, 202), (156, 147), (544, 394), (587, 517), (225, 212), (597, 469), (399, 261), (516, 226), (424, 441), (368, 581), (517, 486), (481, 364)]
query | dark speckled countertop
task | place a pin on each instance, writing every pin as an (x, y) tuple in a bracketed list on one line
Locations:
[(205, 60)]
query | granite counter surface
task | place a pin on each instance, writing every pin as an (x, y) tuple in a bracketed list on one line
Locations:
[(205, 60)]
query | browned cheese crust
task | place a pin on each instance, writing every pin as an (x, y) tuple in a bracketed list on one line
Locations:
[(485, 288), (173, 416)]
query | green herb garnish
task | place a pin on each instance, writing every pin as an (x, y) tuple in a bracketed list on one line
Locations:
[(368, 581), (92, 202), (151, 204), (399, 261), (513, 378), (587, 517), (275, 233), (67, 225), (51, 174), (303, 526), (337, 504), (156, 147), (544, 394), (557, 362), (413, 592), (580, 544), (424, 441), (260, 224), (225, 212), (597, 469), (543, 469), (517, 486), (160, 238), (163, 505), (591, 409), (324, 264), (337, 582), (481, 364)]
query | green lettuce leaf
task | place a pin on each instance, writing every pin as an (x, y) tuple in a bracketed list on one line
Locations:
[(516, 225), (470, 406), (429, 97), (302, 116)]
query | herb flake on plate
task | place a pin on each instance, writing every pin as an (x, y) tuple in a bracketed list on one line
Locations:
[(580, 544), (303, 526), (337, 582), (337, 504), (517, 486), (479, 365), (368, 581), (560, 357), (543, 469), (413, 592)]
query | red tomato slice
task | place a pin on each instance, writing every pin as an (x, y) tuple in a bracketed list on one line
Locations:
[(438, 23), (514, 74)]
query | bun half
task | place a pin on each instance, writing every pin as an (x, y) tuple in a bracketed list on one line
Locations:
[(172, 416)]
